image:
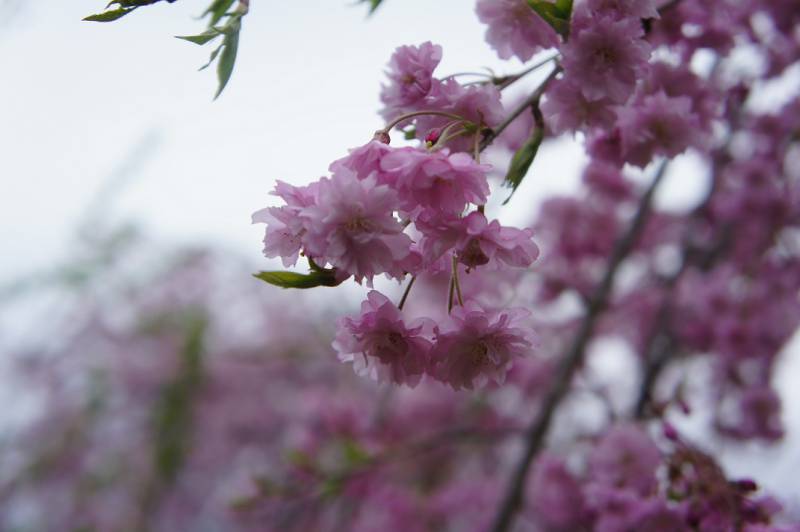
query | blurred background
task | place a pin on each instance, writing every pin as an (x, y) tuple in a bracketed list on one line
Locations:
[(108, 132)]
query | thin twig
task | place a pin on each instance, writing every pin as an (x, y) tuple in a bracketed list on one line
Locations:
[(405, 294), (457, 284), (506, 81), (533, 98), (573, 359)]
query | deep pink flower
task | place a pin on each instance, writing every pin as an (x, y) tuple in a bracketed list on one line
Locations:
[(380, 345), (637, 9), (566, 108), (626, 457), (352, 227), (514, 28), (757, 415), (436, 180), (658, 125), (607, 180), (556, 496), (475, 346), (605, 56), (680, 81), (411, 76)]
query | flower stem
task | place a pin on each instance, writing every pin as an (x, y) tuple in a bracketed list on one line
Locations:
[(534, 97), (406, 116), (407, 291), (457, 284), (505, 81)]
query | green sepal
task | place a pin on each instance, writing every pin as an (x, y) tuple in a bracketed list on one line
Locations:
[(299, 280)]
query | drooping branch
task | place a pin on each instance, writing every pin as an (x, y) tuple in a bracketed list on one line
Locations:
[(573, 359)]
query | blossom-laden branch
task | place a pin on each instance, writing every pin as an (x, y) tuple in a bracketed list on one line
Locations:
[(572, 359)]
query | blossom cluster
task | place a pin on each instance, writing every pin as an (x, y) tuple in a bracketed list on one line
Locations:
[(404, 212)]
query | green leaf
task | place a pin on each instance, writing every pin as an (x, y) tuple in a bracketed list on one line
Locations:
[(354, 454), (203, 38), (410, 133), (217, 10), (373, 5), (108, 16), (522, 160), (299, 280), (556, 14), (564, 8), (214, 55), (227, 59), (172, 414)]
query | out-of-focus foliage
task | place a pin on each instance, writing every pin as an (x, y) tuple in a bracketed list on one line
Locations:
[(225, 22)]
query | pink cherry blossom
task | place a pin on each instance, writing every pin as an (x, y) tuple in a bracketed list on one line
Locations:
[(489, 242), (436, 180), (364, 161), (514, 28), (625, 8), (605, 56), (566, 108), (475, 346), (352, 227), (658, 125), (626, 457), (380, 345), (410, 77), (285, 227)]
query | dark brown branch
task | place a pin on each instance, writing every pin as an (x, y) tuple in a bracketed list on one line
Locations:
[(573, 359)]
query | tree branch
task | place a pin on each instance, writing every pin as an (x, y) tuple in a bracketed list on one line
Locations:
[(573, 358), (531, 100)]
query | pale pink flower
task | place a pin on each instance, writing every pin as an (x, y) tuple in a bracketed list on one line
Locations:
[(436, 180), (605, 56), (380, 345), (484, 243), (285, 227), (364, 161), (479, 104), (514, 28), (352, 227), (475, 345), (411, 77), (475, 241)]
